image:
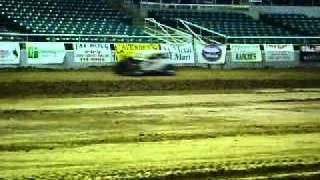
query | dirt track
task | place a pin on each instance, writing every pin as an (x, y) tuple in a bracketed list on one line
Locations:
[(55, 83), (262, 134), (199, 124)]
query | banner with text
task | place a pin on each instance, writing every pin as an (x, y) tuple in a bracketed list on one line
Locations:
[(92, 52), (45, 53), (310, 53), (245, 53), (179, 53), (211, 53), (9, 53), (124, 50), (279, 52)]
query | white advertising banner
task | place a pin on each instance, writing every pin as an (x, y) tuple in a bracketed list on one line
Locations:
[(245, 53), (179, 53), (9, 53), (279, 52), (92, 52), (45, 52), (211, 53)]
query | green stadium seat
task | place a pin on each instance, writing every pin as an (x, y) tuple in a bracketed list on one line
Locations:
[(239, 24), (67, 17)]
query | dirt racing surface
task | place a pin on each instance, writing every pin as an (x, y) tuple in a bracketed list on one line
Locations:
[(258, 135), (200, 124), (28, 82)]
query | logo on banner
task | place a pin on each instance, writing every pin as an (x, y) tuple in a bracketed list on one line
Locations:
[(33, 52), (246, 56), (212, 53), (278, 46), (4, 53)]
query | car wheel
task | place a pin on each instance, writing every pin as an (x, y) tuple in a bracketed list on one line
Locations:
[(170, 70), (134, 68)]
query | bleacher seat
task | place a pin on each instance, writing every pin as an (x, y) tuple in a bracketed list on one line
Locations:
[(239, 24), (299, 23), (84, 17), (231, 24)]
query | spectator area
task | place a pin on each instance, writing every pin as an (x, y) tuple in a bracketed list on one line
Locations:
[(241, 25), (298, 23), (86, 17)]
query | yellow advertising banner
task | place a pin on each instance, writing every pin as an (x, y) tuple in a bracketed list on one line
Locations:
[(124, 50)]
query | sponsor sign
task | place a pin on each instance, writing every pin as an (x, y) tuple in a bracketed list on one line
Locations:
[(211, 53), (179, 53), (124, 50), (245, 53), (9, 53), (45, 53), (310, 53), (92, 52), (279, 52)]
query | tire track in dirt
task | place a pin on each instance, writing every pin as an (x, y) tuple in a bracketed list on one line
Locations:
[(251, 168)]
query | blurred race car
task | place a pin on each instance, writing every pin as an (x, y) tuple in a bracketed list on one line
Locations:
[(145, 62)]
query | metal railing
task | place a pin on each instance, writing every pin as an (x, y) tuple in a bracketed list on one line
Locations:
[(210, 35), (165, 33), (298, 40), (233, 2), (172, 38), (21, 37), (161, 5)]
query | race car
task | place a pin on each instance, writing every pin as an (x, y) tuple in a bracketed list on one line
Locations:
[(146, 62)]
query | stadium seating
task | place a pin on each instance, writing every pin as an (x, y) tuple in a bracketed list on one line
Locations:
[(95, 17), (299, 23), (67, 17), (239, 24)]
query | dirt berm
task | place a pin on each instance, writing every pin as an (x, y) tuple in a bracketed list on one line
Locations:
[(27, 82), (113, 86)]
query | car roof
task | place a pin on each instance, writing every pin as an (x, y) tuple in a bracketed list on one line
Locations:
[(148, 53)]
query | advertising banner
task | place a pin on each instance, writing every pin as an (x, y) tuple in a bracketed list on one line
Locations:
[(9, 53), (245, 53), (179, 53), (279, 52), (211, 53), (310, 53), (92, 52), (45, 52), (127, 49)]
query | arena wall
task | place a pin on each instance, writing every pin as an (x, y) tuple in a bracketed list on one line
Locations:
[(69, 61)]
